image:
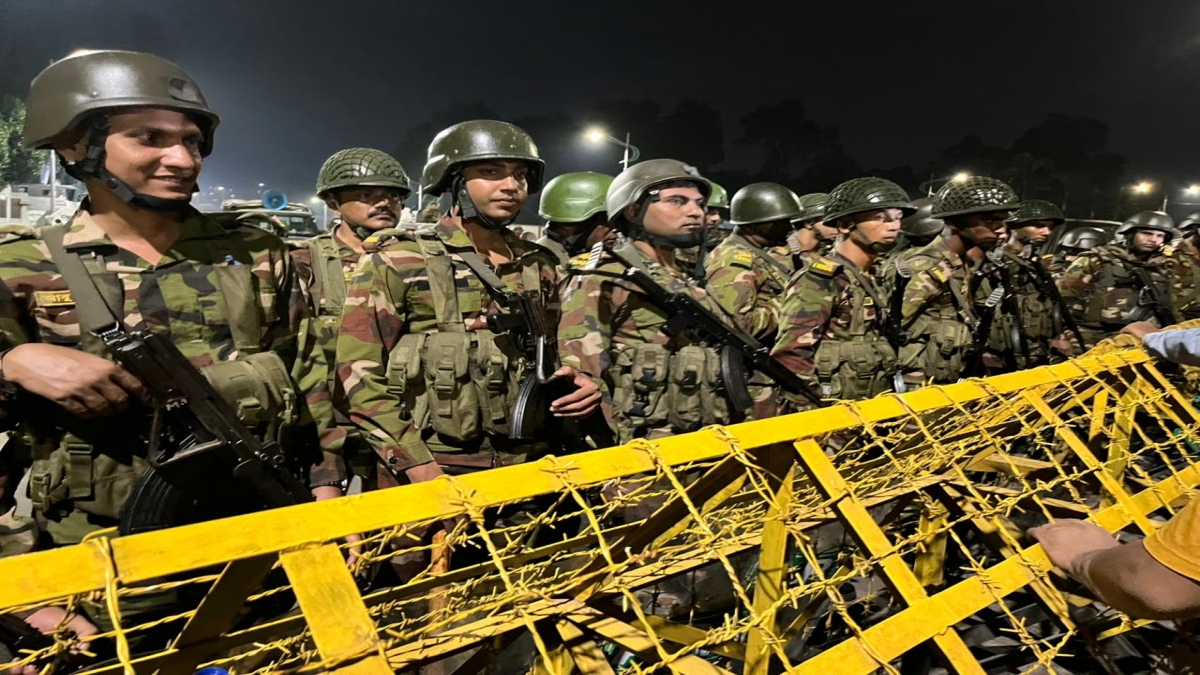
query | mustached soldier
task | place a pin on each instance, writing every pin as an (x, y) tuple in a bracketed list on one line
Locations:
[(426, 380)]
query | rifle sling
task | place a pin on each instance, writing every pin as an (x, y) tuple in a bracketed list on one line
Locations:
[(93, 310)]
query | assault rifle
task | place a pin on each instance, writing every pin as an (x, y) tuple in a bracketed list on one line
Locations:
[(983, 330), (1044, 283), (196, 442), (1016, 336), (1150, 302), (894, 327), (739, 351)]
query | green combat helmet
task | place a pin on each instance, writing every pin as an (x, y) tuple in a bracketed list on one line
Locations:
[(976, 194), (1189, 222), (355, 167), (866, 194), (813, 205), (764, 203), (1082, 239), (1149, 220), (718, 198), (634, 184), (76, 90), (574, 197), (921, 224), (474, 141), (1038, 209)]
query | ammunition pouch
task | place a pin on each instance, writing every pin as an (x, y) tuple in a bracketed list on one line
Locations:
[(851, 370), (653, 387), (948, 351), (258, 386), (462, 384)]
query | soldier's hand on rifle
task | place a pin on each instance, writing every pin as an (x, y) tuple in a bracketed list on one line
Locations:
[(580, 403), (1140, 329), (84, 384)]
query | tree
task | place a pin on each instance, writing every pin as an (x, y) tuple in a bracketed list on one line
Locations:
[(17, 165), (786, 136)]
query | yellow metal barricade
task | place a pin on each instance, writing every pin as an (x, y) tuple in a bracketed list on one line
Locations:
[(884, 535)]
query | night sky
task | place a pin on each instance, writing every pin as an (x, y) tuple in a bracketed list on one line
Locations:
[(899, 79)]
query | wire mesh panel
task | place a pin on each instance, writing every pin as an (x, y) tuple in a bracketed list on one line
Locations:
[(885, 535)]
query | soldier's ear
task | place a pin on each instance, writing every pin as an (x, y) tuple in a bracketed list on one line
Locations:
[(631, 212), (332, 202)]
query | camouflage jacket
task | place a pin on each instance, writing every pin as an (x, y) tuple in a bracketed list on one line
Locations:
[(938, 310), (747, 282), (179, 297), (390, 297), (833, 333), (325, 318), (1185, 279), (1036, 311), (555, 246), (1104, 289), (604, 318)]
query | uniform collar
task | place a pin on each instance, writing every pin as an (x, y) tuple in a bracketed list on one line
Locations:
[(452, 234), (84, 232)]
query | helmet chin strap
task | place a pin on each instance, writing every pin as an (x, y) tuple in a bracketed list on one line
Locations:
[(469, 211), (91, 167), (672, 242)]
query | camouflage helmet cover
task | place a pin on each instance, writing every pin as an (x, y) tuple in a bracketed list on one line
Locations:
[(763, 203), (1082, 238), (361, 166), (632, 184), (69, 90), (475, 141), (1149, 220), (866, 194), (976, 194), (1038, 209), (812, 207), (921, 222), (718, 198), (574, 197)]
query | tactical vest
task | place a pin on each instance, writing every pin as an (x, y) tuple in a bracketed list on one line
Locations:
[(674, 384), (1117, 291), (329, 277), (944, 356), (462, 384), (69, 470), (858, 362)]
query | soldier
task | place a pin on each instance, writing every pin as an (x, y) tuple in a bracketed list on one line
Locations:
[(1124, 281), (1028, 332), (134, 129), (939, 312), (1071, 245), (611, 332), (916, 232), (1186, 271), (744, 276), (573, 206), (832, 316), (365, 189), (422, 311)]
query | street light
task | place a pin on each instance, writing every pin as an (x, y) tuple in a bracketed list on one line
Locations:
[(1192, 191), (1143, 187), (598, 135), (961, 177), (260, 187)]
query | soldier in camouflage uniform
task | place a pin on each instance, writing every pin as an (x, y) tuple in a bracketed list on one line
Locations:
[(423, 376), (135, 129), (1071, 245), (1127, 280), (1028, 334), (611, 332), (365, 188), (1186, 270), (916, 232), (573, 206), (832, 316), (744, 275), (939, 309)]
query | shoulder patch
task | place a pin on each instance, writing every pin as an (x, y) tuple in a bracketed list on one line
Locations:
[(824, 267), (16, 232), (54, 298), (938, 273), (743, 259), (1168, 250), (381, 238), (580, 261)]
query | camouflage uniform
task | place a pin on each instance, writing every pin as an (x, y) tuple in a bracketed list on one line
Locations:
[(1104, 291), (832, 332), (609, 331), (1035, 312), (939, 313), (394, 315), (1185, 278), (186, 296), (747, 281)]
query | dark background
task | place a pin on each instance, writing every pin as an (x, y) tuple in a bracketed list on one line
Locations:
[(1067, 99)]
